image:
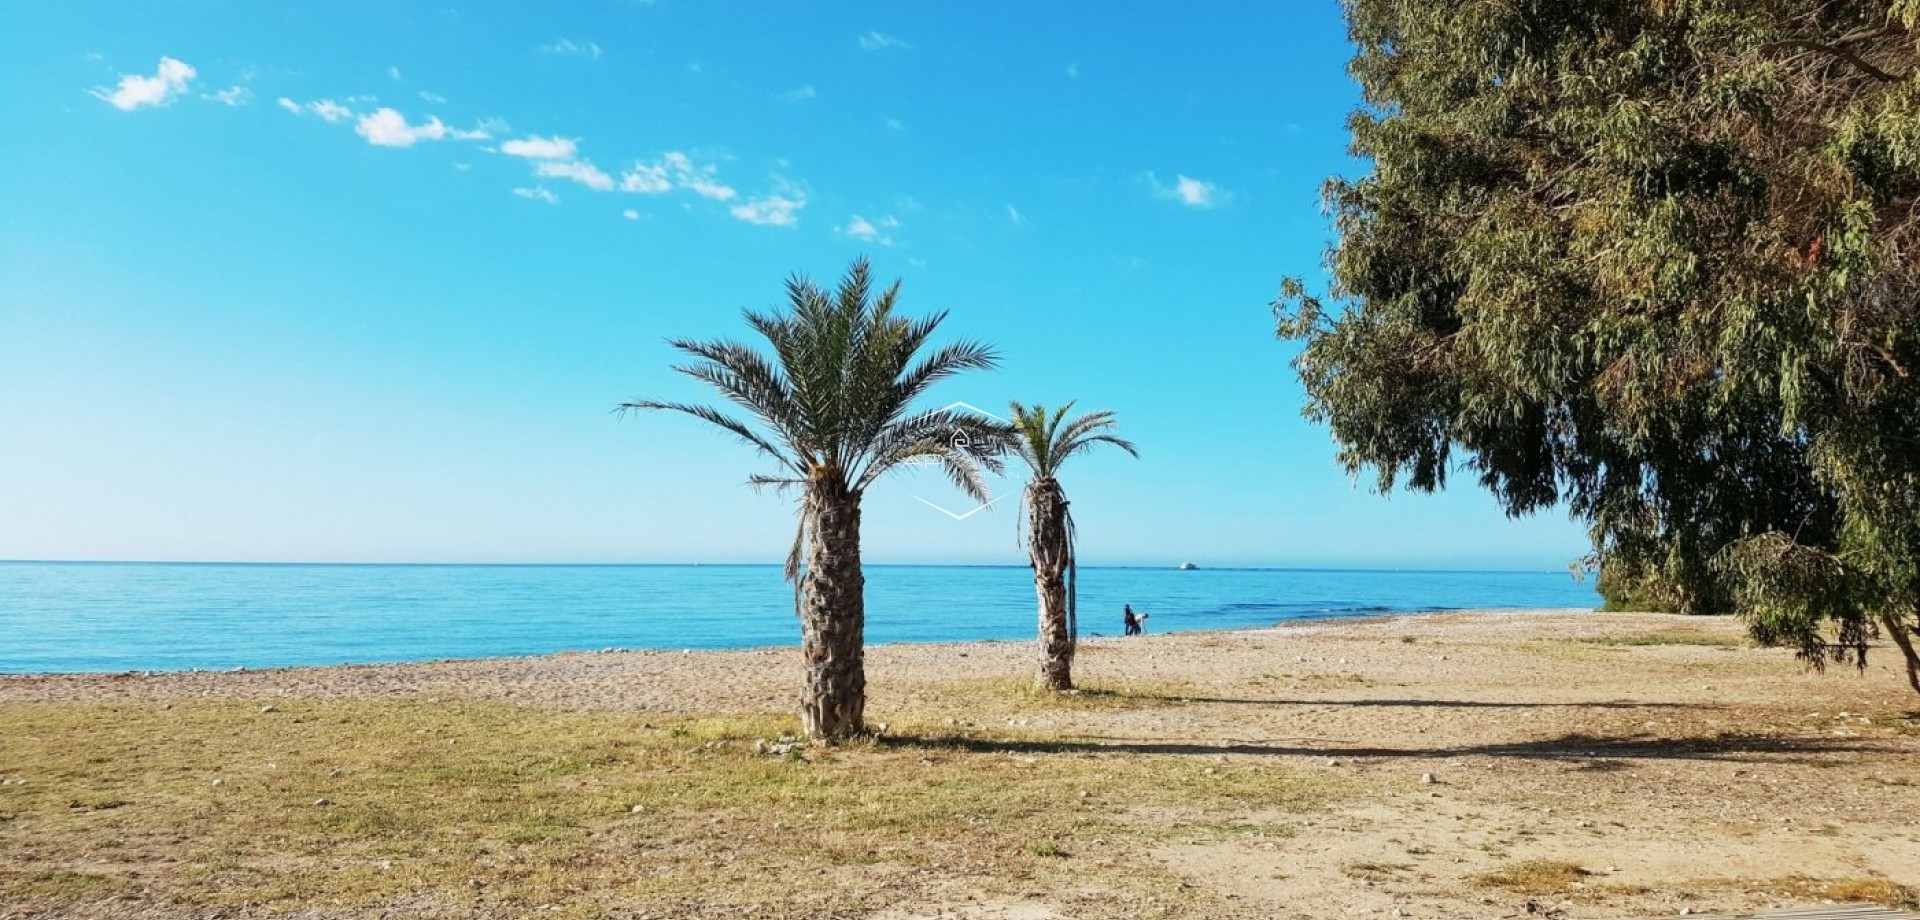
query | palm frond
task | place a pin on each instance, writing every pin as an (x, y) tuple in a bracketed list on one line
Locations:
[(715, 417), (945, 437), (834, 396), (1085, 444)]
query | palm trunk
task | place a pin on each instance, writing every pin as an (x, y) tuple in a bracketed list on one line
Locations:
[(833, 616), (1049, 547)]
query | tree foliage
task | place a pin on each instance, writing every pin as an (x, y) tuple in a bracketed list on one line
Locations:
[(1653, 259)]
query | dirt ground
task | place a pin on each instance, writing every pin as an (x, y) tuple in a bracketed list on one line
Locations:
[(1498, 764)]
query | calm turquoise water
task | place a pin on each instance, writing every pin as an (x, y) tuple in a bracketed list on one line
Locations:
[(149, 616)]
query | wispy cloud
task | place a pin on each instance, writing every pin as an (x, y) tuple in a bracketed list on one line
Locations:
[(232, 95), (386, 127), (136, 90), (798, 94), (550, 158), (868, 231), (647, 179), (1194, 193), (541, 148), (881, 41), (1073, 71), (329, 110), (393, 72), (771, 210), (567, 47), (1013, 214), (672, 170), (579, 171)]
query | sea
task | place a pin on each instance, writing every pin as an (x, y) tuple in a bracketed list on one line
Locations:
[(115, 616)]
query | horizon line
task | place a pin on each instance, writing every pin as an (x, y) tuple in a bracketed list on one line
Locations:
[(775, 565)]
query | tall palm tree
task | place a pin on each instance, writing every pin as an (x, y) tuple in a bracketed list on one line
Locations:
[(1046, 440), (832, 408)]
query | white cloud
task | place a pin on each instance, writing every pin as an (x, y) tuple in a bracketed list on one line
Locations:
[(630, 214), (646, 178), (1013, 214), (880, 41), (865, 230), (232, 95), (393, 72), (434, 98), (698, 178), (1194, 193), (541, 148), (537, 194), (798, 94), (136, 90), (330, 110), (770, 211), (895, 124), (567, 47), (388, 128), (579, 171)]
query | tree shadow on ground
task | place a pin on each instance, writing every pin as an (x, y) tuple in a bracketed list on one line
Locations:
[(1440, 704), (1573, 748)]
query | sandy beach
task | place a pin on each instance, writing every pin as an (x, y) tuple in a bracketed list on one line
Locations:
[(1469, 764)]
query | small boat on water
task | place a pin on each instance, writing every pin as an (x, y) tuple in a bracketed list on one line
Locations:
[(1187, 566)]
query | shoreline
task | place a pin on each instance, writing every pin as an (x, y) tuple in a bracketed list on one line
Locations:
[(1358, 617)]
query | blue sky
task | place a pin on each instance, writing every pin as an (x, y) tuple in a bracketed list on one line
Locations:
[(362, 280)]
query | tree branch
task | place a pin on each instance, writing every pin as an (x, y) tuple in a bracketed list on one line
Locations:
[(1835, 51)]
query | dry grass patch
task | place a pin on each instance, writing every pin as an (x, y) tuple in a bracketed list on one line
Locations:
[(1882, 891), (1672, 637), (204, 805), (1533, 876), (1023, 695), (1898, 723)]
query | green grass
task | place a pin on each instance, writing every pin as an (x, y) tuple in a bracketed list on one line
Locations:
[(455, 802)]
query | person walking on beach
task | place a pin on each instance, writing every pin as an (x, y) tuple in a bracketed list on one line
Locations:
[(1132, 622)]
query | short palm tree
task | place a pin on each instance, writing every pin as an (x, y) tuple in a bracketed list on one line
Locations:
[(1046, 440), (832, 408)]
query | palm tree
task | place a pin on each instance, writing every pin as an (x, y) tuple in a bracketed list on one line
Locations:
[(832, 409), (1045, 440)]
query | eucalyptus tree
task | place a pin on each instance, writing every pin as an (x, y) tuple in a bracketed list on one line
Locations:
[(1045, 441), (1654, 262), (832, 407)]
